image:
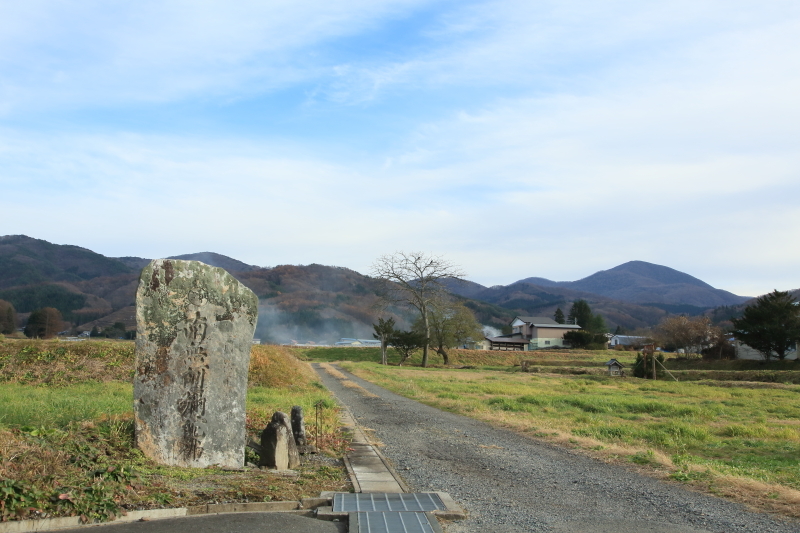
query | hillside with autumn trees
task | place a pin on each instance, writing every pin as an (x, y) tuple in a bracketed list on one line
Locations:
[(314, 302), (296, 302)]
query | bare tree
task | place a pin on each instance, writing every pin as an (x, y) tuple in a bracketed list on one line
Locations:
[(415, 279), (687, 333)]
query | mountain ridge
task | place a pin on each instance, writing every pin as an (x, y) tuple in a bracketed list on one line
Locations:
[(642, 282), (305, 300)]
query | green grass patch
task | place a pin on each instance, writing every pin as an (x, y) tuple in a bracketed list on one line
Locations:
[(23, 405)]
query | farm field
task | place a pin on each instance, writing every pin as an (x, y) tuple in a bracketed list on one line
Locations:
[(736, 439), (66, 434), (573, 362)]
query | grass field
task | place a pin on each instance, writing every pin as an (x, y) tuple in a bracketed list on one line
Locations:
[(66, 434), (741, 440)]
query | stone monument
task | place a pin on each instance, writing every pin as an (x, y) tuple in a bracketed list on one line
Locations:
[(194, 329), (298, 426), (278, 449)]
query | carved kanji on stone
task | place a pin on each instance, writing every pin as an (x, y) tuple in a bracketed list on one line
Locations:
[(194, 329)]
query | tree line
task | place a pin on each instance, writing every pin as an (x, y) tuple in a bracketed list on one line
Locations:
[(417, 280), (770, 325)]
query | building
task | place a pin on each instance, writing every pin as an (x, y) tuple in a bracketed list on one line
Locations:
[(626, 340), (358, 342), (532, 333)]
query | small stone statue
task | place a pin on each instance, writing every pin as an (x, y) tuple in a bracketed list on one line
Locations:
[(298, 426), (278, 449)]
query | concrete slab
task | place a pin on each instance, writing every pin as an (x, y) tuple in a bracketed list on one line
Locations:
[(371, 461), (365, 477), (361, 469), (364, 454), (326, 513), (381, 486)]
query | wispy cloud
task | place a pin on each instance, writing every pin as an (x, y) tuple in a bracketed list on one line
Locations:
[(101, 53)]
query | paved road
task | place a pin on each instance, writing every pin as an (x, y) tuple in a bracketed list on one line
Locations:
[(509, 483)]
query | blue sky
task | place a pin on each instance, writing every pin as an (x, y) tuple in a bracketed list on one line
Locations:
[(518, 139)]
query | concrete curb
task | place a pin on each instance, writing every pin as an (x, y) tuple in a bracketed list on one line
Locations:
[(391, 470), (351, 473), (304, 507), (68, 522), (453, 511)]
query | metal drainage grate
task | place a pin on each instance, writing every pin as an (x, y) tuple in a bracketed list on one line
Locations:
[(381, 501), (391, 522)]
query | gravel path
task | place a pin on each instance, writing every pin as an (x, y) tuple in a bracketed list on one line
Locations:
[(510, 483)]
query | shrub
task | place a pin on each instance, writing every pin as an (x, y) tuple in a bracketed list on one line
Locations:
[(586, 340), (643, 367)]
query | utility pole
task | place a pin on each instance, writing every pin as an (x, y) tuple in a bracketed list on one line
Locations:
[(649, 350), (653, 356)]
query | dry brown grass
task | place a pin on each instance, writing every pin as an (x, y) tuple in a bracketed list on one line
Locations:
[(54, 362), (355, 386), (484, 357), (20, 459), (277, 367), (332, 371)]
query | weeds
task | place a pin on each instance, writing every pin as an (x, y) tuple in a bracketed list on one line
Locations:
[(66, 435), (19, 499)]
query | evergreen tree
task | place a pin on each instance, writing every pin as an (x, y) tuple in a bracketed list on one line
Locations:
[(771, 325), (8, 317), (407, 342), (598, 324), (44, 323), (558, 316), (581, 314), (384, 330)]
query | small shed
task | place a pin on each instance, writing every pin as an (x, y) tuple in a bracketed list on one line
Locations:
[(615, 368)]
